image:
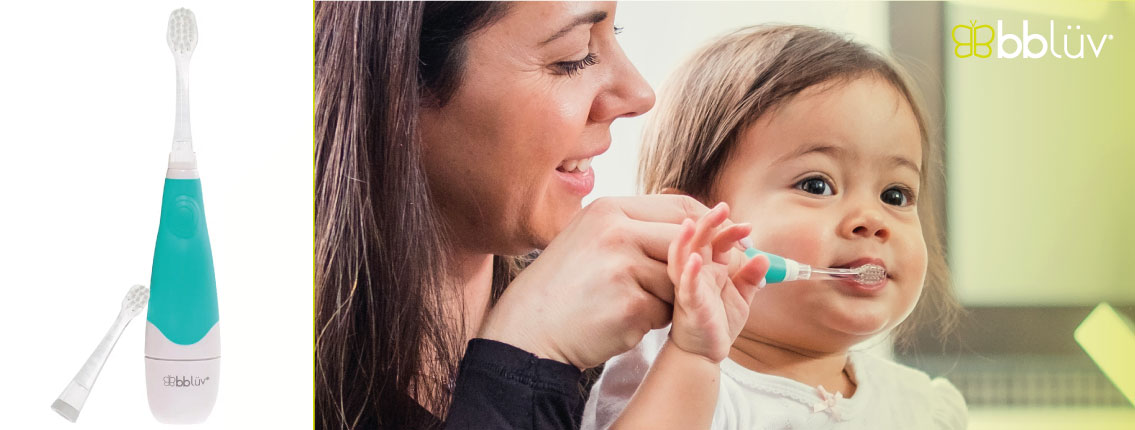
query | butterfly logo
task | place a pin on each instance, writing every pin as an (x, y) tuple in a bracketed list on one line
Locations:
[(971, 34)]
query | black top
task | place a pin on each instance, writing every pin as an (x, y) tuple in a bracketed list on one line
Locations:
[(500, 386)]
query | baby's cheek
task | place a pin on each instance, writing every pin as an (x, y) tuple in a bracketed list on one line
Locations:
[(912, 253), (797, 241)]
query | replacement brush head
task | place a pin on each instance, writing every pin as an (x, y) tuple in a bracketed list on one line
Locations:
[(135, 300), (181, 33)]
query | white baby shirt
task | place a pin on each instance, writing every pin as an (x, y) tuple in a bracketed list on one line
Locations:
[(888, 395)]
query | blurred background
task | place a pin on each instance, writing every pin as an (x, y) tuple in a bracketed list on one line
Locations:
[(1039, 186)]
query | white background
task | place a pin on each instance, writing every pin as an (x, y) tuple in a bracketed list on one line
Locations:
[(86, 121)]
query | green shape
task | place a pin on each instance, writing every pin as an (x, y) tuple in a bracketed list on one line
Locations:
[(183, 289), (777, 269), (1109, 339)]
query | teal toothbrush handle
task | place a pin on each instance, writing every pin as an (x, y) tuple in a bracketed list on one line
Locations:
[(778, 266), (183, 288)]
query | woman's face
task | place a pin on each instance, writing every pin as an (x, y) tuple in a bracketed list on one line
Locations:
[(508, 156), (830, 179)]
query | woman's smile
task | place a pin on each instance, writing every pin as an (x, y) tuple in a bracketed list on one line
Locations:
[(576, 173)]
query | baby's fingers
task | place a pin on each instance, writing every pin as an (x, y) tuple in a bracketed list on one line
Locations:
[(727, 238), (688, 295), (751, 277), (678, 253), (707, 226)]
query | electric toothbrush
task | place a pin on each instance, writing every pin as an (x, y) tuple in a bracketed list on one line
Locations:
[(182, 324), (785, 269)]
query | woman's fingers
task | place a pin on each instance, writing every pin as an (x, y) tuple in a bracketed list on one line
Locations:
[(672, 236), (652, 277), (654, 220), (652, 238), (658, 313), (668, 208)]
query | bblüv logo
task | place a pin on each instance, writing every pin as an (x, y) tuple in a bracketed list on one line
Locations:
[(977, 41), (186, 381)]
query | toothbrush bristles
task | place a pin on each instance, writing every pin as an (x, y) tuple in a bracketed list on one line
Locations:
[(181, 32), (870, 274), (136, 299)]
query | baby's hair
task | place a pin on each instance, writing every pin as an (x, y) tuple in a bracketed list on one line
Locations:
[(726, 86)]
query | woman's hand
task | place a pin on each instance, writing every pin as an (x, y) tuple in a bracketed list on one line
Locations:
[(599, 286), (711, 305)]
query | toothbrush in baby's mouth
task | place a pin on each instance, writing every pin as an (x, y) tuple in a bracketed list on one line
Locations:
[(783, 270)]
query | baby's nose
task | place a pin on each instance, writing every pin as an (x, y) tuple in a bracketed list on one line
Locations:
[(866, 224)]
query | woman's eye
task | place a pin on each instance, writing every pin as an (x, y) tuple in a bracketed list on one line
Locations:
[(897, 196), (817, 186), (572, 67)]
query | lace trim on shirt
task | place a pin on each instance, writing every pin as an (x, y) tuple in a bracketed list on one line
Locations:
[(834, 404)]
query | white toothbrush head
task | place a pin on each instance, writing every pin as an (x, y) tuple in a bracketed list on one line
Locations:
[(135, 300), (181, 36), (870, 274), (181, 33)]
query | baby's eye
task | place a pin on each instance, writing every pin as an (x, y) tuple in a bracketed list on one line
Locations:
[(815, 185), (897, 196)]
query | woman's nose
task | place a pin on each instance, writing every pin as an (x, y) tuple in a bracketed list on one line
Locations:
[(627, 95)]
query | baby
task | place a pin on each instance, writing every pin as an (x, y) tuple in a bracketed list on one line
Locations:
[(818, 143)]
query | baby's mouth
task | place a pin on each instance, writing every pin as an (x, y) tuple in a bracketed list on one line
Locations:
[(859, 262)]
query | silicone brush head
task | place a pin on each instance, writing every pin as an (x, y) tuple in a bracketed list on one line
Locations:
[(135, 300), (181, 36), (869, 274), (181, 33), (71, 401)]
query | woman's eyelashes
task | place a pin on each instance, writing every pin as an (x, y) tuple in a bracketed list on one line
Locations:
[(570, 68), (894, 195)]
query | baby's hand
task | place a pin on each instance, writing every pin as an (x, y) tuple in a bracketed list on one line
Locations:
[(710, 307)]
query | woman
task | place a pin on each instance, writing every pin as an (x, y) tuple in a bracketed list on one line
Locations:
[(452, 139)]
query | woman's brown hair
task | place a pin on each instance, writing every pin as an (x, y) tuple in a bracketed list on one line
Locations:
[(382, 342), (725, 87)]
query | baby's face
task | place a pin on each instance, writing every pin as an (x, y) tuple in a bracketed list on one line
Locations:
[(830, 179)]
